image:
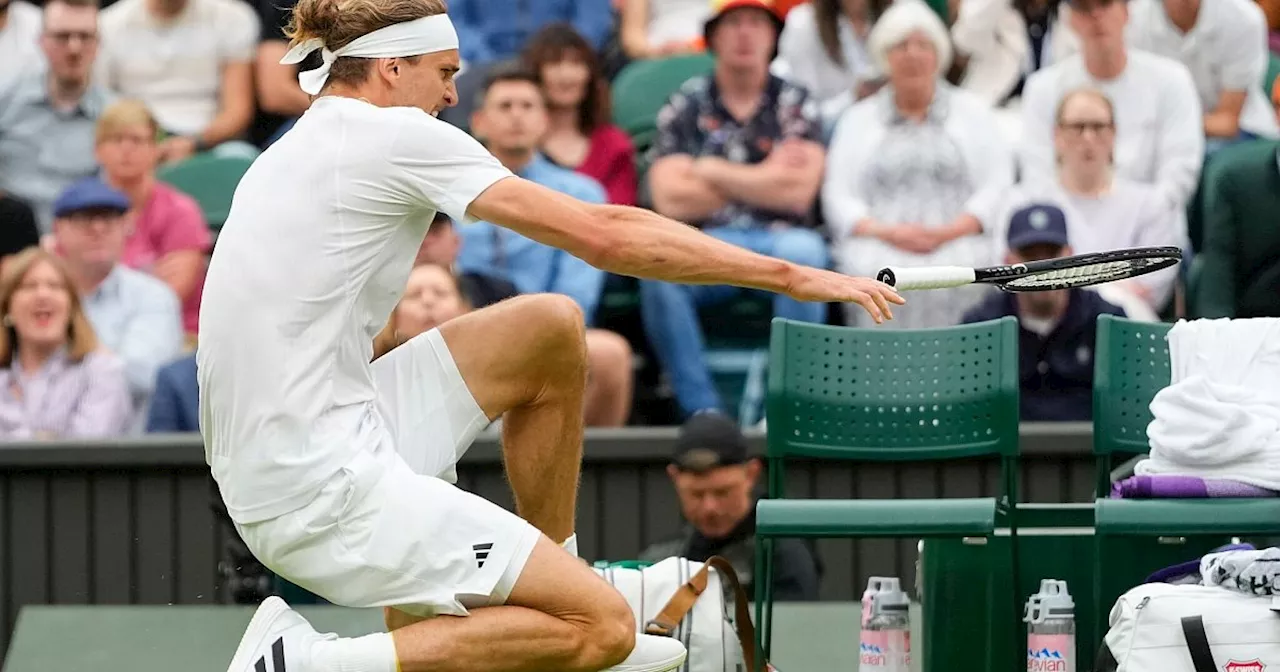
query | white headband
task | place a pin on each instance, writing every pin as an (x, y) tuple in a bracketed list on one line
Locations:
[(410, 38)]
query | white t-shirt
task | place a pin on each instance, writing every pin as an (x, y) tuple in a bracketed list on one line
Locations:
[(322, 234), (19, 48), (175, 67), (676, 20), (1225, 51), (1159, 123), (802, 58)]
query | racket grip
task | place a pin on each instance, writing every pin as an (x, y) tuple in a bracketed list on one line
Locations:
[(928, 277)]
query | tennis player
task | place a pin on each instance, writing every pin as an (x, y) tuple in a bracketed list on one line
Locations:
[(333, 441)]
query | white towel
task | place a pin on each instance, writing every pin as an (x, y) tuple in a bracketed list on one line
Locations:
[(1252, 572), (1220, 416)]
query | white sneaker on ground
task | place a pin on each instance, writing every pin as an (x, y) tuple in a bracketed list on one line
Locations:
[(653, 654), (278, 639)]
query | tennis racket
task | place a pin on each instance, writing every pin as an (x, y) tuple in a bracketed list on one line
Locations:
[(1081, 270)]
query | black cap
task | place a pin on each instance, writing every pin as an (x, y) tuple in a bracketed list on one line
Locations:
[(707, 441), (1038, 224)]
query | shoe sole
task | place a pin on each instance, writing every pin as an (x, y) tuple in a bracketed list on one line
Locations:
[(256, 634), (665, 666)]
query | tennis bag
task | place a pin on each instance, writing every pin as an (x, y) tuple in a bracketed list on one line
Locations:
[(686, 600), (1191, 628)]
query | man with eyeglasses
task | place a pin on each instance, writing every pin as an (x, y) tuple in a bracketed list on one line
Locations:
[(1159, 136), (47, 115)]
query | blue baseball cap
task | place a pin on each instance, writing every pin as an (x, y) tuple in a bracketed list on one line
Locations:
[(1038, 224), (91, 193)]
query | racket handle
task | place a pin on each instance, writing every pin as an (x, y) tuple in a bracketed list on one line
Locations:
[(928, 277)]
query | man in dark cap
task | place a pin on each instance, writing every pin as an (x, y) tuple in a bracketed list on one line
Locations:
[(715, 479), (1057, 327)]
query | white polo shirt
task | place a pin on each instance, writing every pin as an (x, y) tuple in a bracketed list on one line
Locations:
[(1159, 123), (322, 234), (1225, 51)]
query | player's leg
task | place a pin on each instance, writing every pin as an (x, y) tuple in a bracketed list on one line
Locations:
[(609, 379), (524, 360)]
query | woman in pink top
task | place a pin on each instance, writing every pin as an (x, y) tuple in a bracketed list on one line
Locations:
[(580, 136), (170, 238)]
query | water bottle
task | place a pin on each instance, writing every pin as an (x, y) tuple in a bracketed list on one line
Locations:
[(886, 644), (874, 585), (1051, 629)]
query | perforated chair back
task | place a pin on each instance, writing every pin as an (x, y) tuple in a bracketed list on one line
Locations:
[(893, 395), (1131, 364)]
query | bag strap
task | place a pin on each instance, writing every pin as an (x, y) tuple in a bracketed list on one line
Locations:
[(1198, 644), (1106, 661), (668, 619)]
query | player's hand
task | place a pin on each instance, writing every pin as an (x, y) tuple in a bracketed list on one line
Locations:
[(821, 286)]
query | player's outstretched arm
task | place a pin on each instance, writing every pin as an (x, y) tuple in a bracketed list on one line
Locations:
[(640, 243)]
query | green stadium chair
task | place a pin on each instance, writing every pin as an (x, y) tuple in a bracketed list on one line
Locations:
[(1273, 71), (209, 179), (642, 88), (1131, 365), (883, 395)]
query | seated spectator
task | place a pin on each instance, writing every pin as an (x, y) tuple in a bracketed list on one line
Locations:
[(134, 315), (737, 155), (1104, 212), (175, 403), (280, 97), (512, 119), (441, 246), (190, 61), (823, 48), (715, 481), (18, 228), (1057, 328), (19, 36), (170, 238), (994, 45), (488, 37), (47, 116), (661, 28), (56, 380), (432, 297), (579, 136), (1159, 134), (1223, 43), (913, 167)]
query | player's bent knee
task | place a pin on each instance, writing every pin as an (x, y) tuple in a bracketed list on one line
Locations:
[(611, 635)]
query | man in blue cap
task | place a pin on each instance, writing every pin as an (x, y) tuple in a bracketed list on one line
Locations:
[(133, 314), (1057, 334)]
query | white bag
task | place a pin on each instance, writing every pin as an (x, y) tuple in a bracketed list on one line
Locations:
[(686, 600), (1191, 628)]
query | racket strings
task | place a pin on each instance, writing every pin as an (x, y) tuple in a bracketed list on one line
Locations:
[(1089, 274)]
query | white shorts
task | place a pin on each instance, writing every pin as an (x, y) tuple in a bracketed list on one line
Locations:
[(388, 530)]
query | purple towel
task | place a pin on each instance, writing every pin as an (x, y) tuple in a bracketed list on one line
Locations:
[(1159, 486), (1189, 572)]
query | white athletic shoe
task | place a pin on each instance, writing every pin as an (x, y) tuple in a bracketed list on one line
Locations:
[(278, 639), (653, 654)]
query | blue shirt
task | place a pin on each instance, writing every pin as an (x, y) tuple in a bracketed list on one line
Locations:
[(138, 318), (44, 149), (175, 405), (531, 266), (490, 31), (1056, 370)]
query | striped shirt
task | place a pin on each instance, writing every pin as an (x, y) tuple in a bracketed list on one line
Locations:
[(65, 399)]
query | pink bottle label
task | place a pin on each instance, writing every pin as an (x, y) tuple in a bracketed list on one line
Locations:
[(885, 651), (1051, 653), (871, 654)]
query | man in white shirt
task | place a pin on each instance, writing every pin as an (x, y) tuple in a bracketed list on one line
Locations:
[(191, 62), (1224, 45), (337, 470), (19, 39), (1159, 131)]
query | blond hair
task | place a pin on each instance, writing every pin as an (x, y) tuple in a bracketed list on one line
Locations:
[(339, 22), (80, 337), (124, 114)]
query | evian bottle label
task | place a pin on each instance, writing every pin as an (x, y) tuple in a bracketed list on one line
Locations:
[(1051, 653)]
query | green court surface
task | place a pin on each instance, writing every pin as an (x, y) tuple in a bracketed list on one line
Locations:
[(809, 637)]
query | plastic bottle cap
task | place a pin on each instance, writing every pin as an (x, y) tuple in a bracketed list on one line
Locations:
[(1053, 601), (881, 584), (890, 601)]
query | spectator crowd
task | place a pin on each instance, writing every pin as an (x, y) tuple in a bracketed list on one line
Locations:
[(849, 134)]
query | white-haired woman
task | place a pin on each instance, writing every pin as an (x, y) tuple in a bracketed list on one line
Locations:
[(910, 166)]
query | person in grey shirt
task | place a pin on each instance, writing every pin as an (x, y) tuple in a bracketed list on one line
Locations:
[(134, 314), (47, 115), (715, 479)]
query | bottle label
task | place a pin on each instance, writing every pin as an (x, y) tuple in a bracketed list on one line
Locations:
[(871, 651), (1051, 653), (897, 650)]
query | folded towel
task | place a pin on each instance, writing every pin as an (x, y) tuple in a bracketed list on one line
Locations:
[(1220, 416), (1252, 572), (1183, 487), (1188, 572)]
